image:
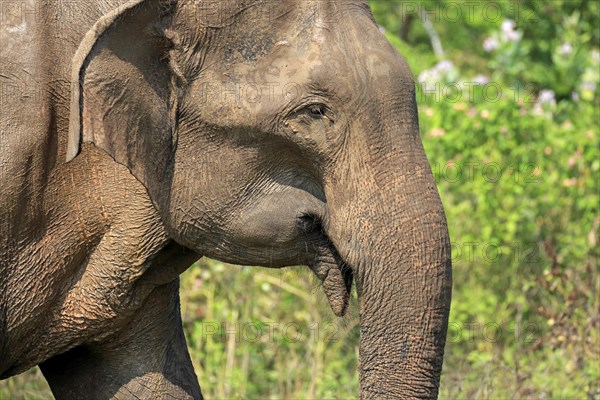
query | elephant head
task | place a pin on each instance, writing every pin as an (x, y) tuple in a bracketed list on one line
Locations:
[(277, 134)]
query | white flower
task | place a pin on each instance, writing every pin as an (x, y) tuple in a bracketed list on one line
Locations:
[(481, 80), (428, 75), (490, 44), (595, 56), (546, 96), (429, 78), (587, 85), (444, 67), (546, 100), (565, 49), (545, 103), (509, 34), (513, 36), (508, 25)]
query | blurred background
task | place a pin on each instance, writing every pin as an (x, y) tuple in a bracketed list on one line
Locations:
[(509, 114)]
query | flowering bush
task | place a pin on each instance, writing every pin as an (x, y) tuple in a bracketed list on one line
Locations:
[(509, 118)]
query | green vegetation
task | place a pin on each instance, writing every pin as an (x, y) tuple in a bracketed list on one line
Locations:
[(509, 119), (508, 106)]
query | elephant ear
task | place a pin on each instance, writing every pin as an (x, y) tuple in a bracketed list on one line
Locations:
[(123, 94)]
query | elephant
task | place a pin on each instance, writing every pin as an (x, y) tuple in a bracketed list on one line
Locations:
[(137, 136)]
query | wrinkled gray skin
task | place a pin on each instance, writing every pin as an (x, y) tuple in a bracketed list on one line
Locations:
[(125, 156)]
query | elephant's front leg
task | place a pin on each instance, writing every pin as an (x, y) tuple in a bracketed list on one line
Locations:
[(147, 359)]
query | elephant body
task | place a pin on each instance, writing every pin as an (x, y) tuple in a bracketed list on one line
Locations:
[(125, 155)]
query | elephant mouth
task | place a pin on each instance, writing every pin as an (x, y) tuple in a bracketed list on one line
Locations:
[(335, 275)]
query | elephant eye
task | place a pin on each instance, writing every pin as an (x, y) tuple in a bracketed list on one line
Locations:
[(317, 111)]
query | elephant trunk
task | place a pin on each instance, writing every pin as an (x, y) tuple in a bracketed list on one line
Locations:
[(387, 222)]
